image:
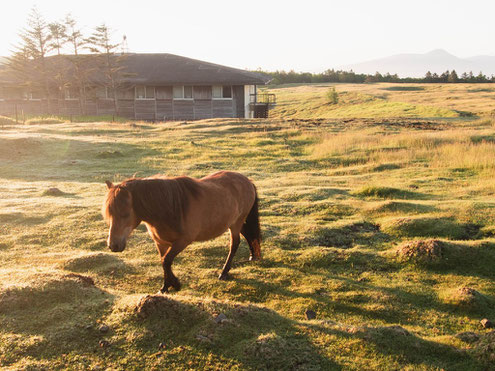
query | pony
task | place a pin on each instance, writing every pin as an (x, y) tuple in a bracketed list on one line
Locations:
[(181, 210)]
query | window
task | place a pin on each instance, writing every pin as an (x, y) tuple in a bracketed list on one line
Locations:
[(33, 95), (70, 94), (145, 92), (183, 92), (221, 91)]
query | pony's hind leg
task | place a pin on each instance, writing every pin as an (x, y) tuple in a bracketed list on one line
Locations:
[(169, 279), (235, 239)]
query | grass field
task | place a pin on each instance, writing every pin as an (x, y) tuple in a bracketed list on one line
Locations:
[(383, 227), (381, 100)]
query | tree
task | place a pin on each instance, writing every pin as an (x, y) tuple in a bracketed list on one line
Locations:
[(332, 95), (80, 64), (58, 36), (428, 77), (107, 60), (29, 61), (453, 78)]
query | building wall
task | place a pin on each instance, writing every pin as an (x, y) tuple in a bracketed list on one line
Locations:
[(161, 108)]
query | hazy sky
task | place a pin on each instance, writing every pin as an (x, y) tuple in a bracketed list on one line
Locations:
[(304, 35)]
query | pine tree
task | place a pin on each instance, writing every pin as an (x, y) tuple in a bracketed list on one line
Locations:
[(58, 36), (29, 61), (107, 60), (453, 78)]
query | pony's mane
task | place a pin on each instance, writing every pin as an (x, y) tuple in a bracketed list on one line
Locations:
[(161, 200)]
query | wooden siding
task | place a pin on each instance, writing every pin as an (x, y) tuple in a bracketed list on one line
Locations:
[(145, 109), (222, 108), (203, 109), (183, 109), (162, 108)]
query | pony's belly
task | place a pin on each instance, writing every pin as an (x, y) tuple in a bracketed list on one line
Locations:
[(210, 234)]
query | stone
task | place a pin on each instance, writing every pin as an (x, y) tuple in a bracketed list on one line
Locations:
[(220, 318), (104, 329), (103, 344), (203, 338), (486, 323), (310, 314), (162, 345)]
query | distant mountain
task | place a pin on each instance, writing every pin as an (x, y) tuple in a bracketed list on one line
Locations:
[(416, 65)]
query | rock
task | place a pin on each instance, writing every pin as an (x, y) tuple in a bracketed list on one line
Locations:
[(221, 318), (397, 330), (104, 329), (486, 323), (88, 327), (203, 339), (468, 337), (162, 345), (103, 344), (310, 314)]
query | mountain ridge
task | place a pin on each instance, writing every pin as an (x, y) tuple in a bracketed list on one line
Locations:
[(416, 64)]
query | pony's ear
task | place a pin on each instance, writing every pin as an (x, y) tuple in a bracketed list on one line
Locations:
[(109, 184)]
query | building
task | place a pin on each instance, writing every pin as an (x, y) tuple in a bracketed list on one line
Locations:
[(156, 87)]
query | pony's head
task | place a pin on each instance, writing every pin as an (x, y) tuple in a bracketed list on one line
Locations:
[(120, 216)]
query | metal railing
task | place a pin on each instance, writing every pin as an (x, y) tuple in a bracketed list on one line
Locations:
[(263, 98)]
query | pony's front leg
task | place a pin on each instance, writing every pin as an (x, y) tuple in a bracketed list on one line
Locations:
[(235, 239), (169, 279)]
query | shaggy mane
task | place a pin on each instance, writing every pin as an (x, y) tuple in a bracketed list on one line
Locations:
[(156, 200)]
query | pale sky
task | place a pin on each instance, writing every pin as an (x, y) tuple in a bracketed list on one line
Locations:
[(304, 35)]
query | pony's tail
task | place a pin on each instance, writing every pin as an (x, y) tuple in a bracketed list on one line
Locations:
[(251, 229)]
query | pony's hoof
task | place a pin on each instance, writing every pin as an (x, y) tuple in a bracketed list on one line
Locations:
[(163, 290), (223, 276), (254, 258)]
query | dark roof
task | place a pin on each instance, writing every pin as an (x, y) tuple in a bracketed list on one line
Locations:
[(165, 69), (162, 69)]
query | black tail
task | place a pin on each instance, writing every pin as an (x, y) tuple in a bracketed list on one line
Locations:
[(251, 229)]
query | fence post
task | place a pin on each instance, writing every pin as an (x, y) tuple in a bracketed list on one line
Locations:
[(16, 113)]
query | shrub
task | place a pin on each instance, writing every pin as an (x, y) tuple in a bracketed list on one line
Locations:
[(332, 95)]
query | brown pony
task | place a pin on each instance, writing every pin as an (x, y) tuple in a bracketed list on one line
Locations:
[(178, 211)]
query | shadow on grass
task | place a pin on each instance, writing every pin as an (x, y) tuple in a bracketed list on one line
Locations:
[(249, 337), (57, 314)]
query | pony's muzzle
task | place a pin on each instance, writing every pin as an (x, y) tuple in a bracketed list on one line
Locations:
[(116, 246)]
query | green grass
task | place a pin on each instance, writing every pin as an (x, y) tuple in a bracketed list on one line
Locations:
[(336, 200)]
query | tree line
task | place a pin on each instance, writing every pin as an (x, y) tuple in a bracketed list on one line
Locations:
[(331, 75), (57, 60)]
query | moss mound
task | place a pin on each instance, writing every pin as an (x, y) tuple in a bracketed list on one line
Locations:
[(484, 349), (430, 227), (44, 291), (467, 298), (421, 251), (4, 120), (347, 236), (96, 262), (44, 120), (400, 208), (385, 192)]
